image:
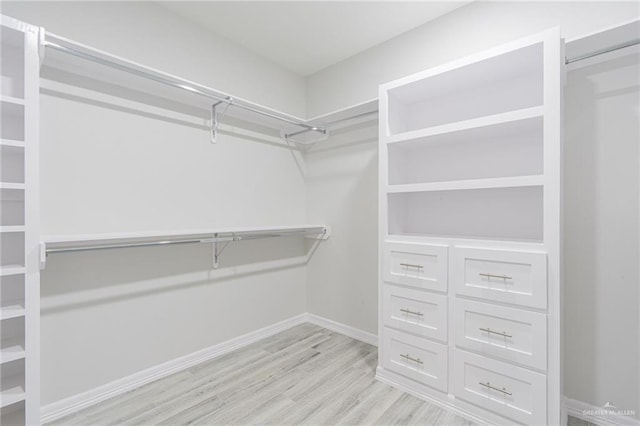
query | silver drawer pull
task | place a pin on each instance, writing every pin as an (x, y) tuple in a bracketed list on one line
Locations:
[(407, 311), (503, 390), (411, 359), (504, 277), (410, 265), (488, 330)]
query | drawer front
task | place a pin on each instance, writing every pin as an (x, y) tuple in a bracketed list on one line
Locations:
[(506, 276), (511, 334), (415, 311), (419, 359), (505, 389), (418, 265)]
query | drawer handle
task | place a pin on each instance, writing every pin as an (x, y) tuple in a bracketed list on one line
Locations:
[(411, 359), (488, 330), (405, 310), (410, 265), (504, 277), (503, 390)]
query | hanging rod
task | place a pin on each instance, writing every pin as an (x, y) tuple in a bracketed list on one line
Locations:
[(55, 245), (176, 83), (602, 51)]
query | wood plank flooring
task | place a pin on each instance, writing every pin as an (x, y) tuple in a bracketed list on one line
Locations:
[(307, 375)]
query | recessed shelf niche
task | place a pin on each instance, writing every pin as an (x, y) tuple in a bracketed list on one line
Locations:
[(11, 207), (11, 164)]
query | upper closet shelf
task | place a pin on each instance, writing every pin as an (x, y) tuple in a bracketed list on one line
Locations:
[(475, 123), (219, 237), (78, 64)]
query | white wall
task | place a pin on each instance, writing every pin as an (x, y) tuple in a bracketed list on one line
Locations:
[(150, 34), (602, 314), (342, 190), (110, 164), (477, 26)]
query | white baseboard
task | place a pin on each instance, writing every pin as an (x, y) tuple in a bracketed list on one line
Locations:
[(347, 330), (588, 412), (59, 409)]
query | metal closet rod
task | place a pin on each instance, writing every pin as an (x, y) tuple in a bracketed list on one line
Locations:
[(602, 51), (219, 237), (176, 84)]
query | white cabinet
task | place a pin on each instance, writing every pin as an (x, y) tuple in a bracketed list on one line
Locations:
[(418, 312), (19, 225), (510, 334), (515, 277), (417, 265), (470, 157)]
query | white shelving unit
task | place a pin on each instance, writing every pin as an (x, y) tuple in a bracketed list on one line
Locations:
[(19, 225), (470, 156)]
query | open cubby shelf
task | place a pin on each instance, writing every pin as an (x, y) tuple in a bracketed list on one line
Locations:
[(496, 214), (499, 84), (11, 164), (508, 149)]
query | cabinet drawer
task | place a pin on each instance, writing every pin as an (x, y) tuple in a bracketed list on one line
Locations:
[(415, 311), (417, 265), (416, 358), (511, 334), (510, 391), (507, 276)]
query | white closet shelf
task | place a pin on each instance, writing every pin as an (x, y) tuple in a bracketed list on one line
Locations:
[(12, 309), (11, 270), (11, 100), (8, 185), (507, 117), (8, 270), (506, 182), (81, 60), (12, 143), (8, 229), (11, 350), (12, 390), (75, 243)]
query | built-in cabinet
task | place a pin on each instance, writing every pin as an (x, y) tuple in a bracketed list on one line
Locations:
[(470, 156), (19, 225)]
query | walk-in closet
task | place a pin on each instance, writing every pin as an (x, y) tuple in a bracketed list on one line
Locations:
[(320, 213)]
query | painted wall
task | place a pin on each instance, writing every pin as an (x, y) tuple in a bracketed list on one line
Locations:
[(150, 34), (474, 27), (115, 164), (341, 186), (602, 163)]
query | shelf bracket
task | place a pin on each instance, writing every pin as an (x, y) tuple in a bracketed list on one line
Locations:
[(219, 248), (215, 118)]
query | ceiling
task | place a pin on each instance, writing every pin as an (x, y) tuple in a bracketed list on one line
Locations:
[(307, 36)]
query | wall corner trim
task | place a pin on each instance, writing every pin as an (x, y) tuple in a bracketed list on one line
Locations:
[(72, 404), (581, 410), (347, 330)]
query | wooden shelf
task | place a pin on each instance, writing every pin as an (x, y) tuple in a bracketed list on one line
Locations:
[(11, 100), (7, 229), (490, 120), (11, 350), (8, 270), (508, 182), (12, 309), (12, 390)]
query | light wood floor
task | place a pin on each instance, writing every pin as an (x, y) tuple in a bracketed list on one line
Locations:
[(305, 375)]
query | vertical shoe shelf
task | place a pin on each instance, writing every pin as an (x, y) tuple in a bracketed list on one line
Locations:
[(19, 225)]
